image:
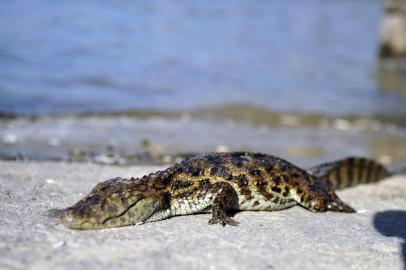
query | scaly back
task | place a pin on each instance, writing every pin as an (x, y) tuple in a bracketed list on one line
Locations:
[(350, 171)]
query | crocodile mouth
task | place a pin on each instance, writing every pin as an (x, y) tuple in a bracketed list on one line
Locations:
[(137, 212), (70, 218)]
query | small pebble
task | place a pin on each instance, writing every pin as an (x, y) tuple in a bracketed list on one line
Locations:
[(222, 148), (50, 181), (166, 159), (59, 244)]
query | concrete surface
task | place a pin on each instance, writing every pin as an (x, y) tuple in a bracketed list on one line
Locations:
[(289, 239)]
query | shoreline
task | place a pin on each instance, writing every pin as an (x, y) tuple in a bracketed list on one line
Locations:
[(239, 112), (155, 140)]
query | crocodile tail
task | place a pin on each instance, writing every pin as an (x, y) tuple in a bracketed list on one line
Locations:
[(350, 171)]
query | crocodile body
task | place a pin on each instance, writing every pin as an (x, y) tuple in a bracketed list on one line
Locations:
[(219, 183)]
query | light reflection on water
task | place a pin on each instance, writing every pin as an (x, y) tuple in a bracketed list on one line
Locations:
[(310, 56)]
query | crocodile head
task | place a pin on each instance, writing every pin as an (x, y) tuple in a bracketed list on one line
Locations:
[(113, 203)]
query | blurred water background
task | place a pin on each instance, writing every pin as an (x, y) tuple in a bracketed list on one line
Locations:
[(293, 78)]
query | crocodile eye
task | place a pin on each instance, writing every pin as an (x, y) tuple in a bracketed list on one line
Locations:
[(92, 199)]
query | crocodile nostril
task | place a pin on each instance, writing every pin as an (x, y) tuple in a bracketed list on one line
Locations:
[(67, 217)]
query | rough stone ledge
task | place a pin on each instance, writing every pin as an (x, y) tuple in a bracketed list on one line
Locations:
[(295, 238)]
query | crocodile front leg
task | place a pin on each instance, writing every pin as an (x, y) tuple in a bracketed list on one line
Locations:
[(224, 201)]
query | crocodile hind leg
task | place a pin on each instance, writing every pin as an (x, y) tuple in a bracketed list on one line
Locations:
[(224, 201), (318, 196)]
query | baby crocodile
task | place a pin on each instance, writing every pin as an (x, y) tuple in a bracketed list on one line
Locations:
[(219, 183)]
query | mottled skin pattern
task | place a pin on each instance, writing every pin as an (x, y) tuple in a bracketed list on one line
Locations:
[(219, 183)]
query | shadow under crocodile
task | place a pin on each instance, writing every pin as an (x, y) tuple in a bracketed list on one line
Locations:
[(392, 223)]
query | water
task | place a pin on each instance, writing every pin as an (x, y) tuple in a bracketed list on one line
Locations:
[(311, 56), (294, 78)]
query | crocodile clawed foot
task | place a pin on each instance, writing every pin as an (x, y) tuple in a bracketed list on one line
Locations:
[(340, 206), (223, 221)]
